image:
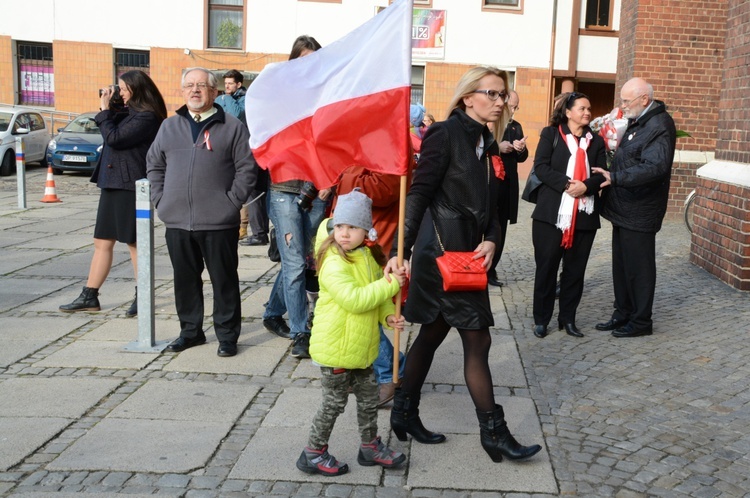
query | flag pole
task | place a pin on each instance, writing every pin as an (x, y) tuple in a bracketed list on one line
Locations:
[(400, 257)]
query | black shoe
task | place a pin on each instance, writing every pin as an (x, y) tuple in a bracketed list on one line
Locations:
[(612, 324), (629, 330), (570, 328), (227, 349), (255, 240), (540, 331), (183, 343), (133, 310), (277, 325), (492, 279), (301, 348), (87, 301)]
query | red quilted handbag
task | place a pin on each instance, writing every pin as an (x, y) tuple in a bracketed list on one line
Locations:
[(460, 272)]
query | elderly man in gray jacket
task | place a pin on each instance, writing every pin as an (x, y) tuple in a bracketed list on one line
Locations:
[(202, 171)]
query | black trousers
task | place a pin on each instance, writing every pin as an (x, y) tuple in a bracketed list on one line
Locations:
[(547, 254), (503, 213), (634, 275), (217, 249)]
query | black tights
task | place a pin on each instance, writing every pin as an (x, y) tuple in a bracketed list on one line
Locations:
[(476, 344)]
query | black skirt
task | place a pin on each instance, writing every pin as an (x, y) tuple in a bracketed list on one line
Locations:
[(115, 218)]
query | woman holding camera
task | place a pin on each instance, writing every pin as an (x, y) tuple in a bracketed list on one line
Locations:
[(130, 116)]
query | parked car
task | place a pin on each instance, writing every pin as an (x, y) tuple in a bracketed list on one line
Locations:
[(12, 123), (77, 147)]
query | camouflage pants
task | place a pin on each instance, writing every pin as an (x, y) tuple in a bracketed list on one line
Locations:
[(335, 383)]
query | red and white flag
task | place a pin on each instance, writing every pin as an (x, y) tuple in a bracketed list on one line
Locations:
[(348, 103)]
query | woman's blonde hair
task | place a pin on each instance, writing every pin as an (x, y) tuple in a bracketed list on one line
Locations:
[(470, 82)]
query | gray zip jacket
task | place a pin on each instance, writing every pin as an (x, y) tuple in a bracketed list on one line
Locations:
[(201, 185)]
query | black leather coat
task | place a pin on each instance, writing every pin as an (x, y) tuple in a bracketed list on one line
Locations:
[(459, 192), (641, 172)]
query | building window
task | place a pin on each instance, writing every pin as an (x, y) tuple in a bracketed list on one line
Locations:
[(598, 14), (417, 84), (35, 73), (127, 60), (502, 4), (423, 3), (226, 23)]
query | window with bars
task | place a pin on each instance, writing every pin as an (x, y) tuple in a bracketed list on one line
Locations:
[(127, 60), (225, 23), (417, 84), (599, 14), (36, 76)]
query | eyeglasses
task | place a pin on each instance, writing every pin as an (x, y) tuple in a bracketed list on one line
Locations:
[(626, 102), (197, 86), (493, 95)]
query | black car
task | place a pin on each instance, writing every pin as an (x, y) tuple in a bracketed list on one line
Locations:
[(77, 147)]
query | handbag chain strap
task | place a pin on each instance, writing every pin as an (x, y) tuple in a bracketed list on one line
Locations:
[(440, 242)]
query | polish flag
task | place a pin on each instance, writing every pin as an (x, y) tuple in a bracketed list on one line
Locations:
[(348, 103)]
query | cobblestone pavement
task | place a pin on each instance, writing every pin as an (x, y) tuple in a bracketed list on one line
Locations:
[(665, 415)]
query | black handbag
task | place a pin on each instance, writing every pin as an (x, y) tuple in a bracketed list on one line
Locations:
[(530, 191), (273, 249)]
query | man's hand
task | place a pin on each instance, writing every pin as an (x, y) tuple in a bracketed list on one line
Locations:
[(606, 174)]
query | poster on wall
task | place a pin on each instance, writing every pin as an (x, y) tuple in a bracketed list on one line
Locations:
[(427, 33), (37, 85)]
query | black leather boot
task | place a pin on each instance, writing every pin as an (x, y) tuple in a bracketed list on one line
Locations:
[(497, 440), (133, 310), (405, 419), (87, 301)]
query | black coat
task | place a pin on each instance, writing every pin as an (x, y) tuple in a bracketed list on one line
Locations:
[(508, 204), (127, 138), (551, 165), (451, 187), (641, 171)]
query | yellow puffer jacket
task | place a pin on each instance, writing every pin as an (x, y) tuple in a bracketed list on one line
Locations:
[(354, 298)]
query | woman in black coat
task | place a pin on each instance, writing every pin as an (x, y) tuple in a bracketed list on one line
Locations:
[(566, 216), (128, 126), (454, 197)]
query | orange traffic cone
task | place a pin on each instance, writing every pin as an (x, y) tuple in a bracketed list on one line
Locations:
[(49, 188)]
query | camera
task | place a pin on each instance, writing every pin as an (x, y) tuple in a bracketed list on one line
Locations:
[(115, 101), (307, 194)]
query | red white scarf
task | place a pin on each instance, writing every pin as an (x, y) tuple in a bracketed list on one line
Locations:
[(578, 169)]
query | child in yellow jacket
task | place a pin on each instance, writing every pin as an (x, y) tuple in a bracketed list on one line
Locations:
[(354, 299)]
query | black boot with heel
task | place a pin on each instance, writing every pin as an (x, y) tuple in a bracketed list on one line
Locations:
[(133, 310), (497, 440), (405, 419)]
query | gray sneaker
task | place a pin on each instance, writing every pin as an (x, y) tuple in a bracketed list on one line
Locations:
[(301, 348), (377, 453)]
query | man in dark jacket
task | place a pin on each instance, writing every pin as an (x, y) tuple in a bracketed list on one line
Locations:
[(635, 203), (512, 151), (202, 171)]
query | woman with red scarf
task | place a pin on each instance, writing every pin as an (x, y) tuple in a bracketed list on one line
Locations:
[(566, 216)]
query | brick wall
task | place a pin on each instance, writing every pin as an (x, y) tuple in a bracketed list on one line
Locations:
[(678, 46), (721, 232), (81, 69), (733, 138), (6, 70), (440, 84), (532, 86)]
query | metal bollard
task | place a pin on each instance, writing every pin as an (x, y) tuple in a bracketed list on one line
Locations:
[(21, 172), (144, 229)]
